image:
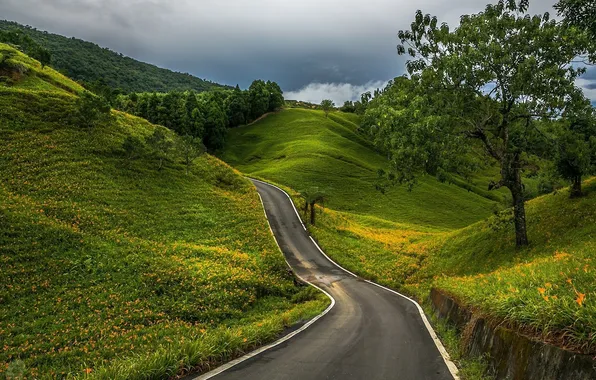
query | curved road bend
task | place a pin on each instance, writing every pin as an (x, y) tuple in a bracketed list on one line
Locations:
[(370, 334)]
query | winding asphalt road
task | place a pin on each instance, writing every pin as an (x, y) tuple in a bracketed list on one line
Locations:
[(370, 333)]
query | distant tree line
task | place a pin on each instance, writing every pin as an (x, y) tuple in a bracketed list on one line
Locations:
[(205, 115), (359, 106)]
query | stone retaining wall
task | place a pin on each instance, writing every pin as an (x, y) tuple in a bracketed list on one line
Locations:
[(511, 355)]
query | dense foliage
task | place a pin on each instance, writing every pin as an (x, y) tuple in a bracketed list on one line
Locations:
[(206, 115), (100, 67), (485, 85), (27, 45), (579, 13)]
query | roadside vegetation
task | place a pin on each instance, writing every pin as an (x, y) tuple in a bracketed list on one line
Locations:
[(117, 262)]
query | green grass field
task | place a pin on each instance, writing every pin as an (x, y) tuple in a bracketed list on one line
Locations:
[(115, 270), (302, 149), (438, 235)]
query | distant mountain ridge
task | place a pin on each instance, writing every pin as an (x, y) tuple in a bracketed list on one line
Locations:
[(88, 62)]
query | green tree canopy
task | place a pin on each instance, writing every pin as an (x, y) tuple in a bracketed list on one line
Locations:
[(327, 105), (482, 85), (579, 13), (276, 97), (258, 95)]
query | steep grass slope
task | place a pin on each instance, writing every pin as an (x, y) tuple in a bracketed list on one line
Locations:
[(302, 149), (414, 241), (113, 269)]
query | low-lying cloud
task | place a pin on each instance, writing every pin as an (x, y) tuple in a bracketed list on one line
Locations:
[(338, 92)]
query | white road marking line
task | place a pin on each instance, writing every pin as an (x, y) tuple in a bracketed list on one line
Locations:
[(252, 354), (446, 358)]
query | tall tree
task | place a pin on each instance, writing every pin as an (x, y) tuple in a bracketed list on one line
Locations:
[(258, 95), (215, 124), (237, 108), (276, 97), (489, 80), (575, 155)]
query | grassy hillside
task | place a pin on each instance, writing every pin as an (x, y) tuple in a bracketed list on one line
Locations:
[(88, 62), (546, 290), (302, 149), (438, 235), (116, 270)]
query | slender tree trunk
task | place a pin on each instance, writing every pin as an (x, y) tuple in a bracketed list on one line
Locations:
[(312, 213), (576, 187), (519, 216), (305, 209), (511, 174)]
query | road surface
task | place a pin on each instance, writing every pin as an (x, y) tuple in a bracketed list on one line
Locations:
[(369, 334)]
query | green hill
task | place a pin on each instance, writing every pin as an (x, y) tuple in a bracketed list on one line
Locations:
[(438, 235), (302, 149), (87, 62), (114, 269)]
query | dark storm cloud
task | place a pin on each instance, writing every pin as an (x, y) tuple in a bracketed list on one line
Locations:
[(295, 43)]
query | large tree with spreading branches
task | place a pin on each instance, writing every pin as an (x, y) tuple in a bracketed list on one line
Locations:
[(484, 84)]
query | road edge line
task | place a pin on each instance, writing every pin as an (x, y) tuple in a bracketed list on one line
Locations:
[(444, 354), (230, 364)]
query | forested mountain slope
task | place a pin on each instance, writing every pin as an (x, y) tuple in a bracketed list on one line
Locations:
[(87, 62)]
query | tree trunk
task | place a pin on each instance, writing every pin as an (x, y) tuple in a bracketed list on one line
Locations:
[(312, 213), (511, 175), (576, 187), (519, 216), (305, 209)]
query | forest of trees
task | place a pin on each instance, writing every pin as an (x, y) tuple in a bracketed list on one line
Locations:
[(27, 45), (100, 68), (205, 115)]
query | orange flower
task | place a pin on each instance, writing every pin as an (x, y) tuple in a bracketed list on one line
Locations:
[(580, 298), (541, 290), (88, 370)]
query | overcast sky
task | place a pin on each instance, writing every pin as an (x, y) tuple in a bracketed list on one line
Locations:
[(314, 49)]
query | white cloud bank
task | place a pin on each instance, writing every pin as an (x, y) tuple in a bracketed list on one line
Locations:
[(338, 92)]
